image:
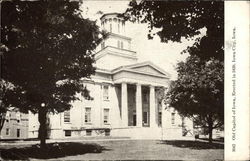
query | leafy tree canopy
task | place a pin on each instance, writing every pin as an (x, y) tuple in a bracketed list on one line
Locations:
[(49, 50), (177, 19), (199, 88), (5, 89), (199, 92)]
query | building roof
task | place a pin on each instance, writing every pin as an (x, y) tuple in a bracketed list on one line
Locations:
[(109, 14)]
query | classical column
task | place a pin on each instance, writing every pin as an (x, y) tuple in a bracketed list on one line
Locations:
[(152, 106), (124, 105), (164, 107), (138, 106)]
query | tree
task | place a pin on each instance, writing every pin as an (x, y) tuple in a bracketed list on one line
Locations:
[(184, 19), (49, 50), (3, 108), (4, 87), (198, 92)]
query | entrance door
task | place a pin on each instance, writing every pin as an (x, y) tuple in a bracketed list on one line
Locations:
[(134, 119), (145, 119)]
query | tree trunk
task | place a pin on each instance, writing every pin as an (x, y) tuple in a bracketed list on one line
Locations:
[(43, 127), (2, 120), (210, 129)]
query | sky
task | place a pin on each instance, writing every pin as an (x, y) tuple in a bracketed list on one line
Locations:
[(164, 55)]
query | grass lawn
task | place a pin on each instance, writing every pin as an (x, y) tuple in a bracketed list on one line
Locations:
[(118, 150)]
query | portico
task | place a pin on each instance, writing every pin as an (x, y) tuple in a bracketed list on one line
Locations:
[(139, 105), (139, 84)]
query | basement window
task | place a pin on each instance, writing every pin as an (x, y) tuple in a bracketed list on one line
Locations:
[(67, 133), (107, 132), (88, 132), (7, 131)]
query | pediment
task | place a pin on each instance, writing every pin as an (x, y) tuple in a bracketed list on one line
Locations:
[(145, 68)]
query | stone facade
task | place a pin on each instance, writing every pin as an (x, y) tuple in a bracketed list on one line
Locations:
[(15, 125)]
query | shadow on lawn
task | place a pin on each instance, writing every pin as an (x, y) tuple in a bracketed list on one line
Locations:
[(53, 150), (221, 140), (193, 144)]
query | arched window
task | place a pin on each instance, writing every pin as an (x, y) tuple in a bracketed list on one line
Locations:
[(110, 25), (105, 92)]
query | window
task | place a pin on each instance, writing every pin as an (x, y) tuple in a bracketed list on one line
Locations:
[(67, 133), (106, 116), (7, 117), (67, 116), (18, 133), (106, 92), (107, 132), (87, 118), (160, 117), (173, 118), (7, 131), (145, 118), (18, 117), (183, 121), (88, 132)]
